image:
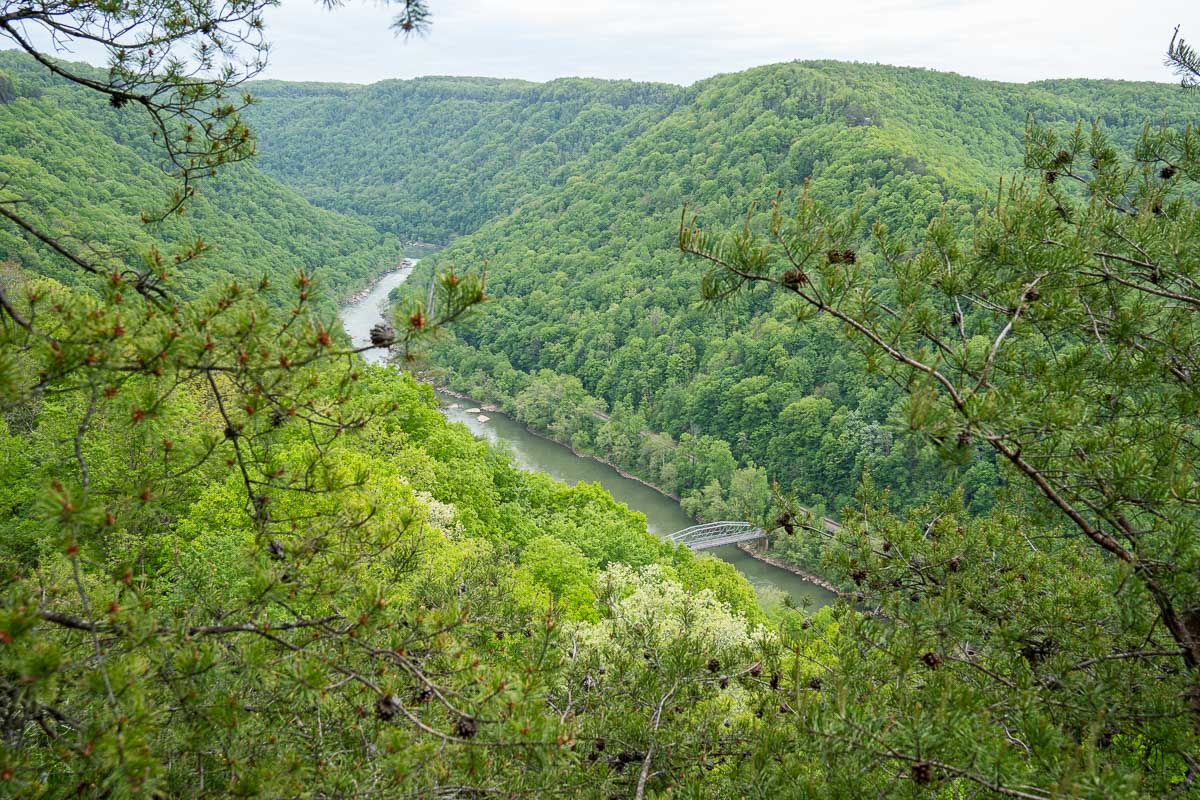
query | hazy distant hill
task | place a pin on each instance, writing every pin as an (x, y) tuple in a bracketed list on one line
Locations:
[(438, 157), (435, 158)]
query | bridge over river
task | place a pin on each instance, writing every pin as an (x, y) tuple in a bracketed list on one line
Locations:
[(715, 534)]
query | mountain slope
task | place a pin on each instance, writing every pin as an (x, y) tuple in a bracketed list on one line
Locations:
[(87, 171), (572, 192), (435, 158)]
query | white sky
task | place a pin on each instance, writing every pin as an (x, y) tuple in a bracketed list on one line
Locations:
[(681, 41)]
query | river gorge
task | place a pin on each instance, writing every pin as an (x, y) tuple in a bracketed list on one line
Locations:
[(537, 453)]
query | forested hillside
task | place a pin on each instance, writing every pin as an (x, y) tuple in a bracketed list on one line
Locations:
[(91, 170), (274, 535), (434, 158), (595, 332), (238, 560)]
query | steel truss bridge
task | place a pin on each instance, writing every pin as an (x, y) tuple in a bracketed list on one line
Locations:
[(715, 534)]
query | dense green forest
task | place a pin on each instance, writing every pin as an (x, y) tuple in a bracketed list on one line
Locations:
[(391, 534), (435, 158), (596, 334), (91, 170), (238, 560)]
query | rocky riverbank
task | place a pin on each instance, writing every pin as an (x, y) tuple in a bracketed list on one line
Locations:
[(493, 408), (746, 547), (816, 580), (361, 294)]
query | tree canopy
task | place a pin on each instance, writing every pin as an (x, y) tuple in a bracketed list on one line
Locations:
[(238, 560), (1063, 337)]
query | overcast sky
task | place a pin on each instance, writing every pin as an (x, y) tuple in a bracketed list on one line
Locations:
[(681, 41)]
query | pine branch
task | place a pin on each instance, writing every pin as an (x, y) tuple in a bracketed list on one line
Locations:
[(1184, 60)]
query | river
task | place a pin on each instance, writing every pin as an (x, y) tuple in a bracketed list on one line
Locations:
[(536, 453)]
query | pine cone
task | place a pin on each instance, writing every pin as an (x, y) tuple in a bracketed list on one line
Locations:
[(387, 707), (382, 335), (466, 727), (793, 279)]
